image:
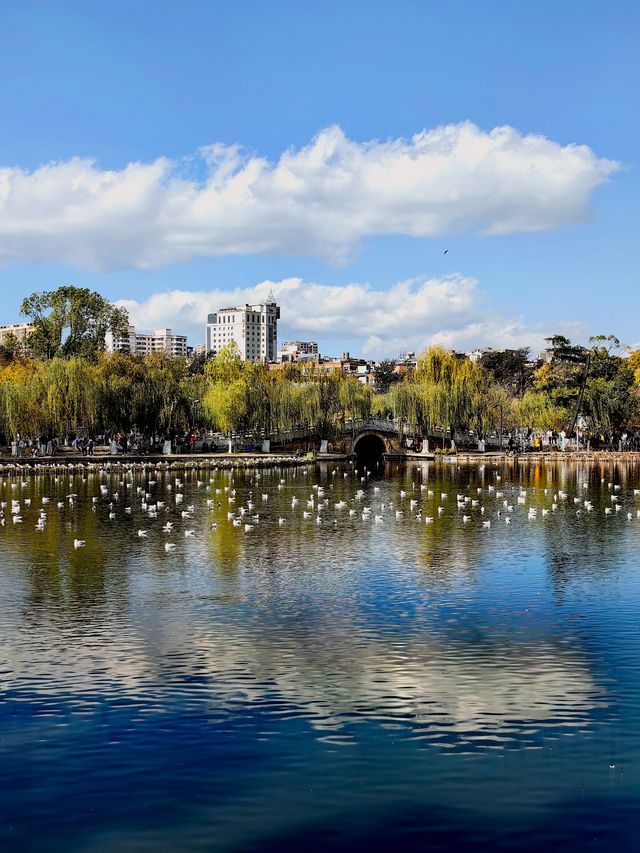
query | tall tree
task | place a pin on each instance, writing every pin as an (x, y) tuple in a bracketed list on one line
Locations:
[(385, 376), (71, 321), (509, 368)]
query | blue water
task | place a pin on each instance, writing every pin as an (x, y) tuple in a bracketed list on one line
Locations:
[(356, 684)]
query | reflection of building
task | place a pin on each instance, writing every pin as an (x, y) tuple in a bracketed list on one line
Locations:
[(253, 328), (291, 351), (136, 343), (16, 331)]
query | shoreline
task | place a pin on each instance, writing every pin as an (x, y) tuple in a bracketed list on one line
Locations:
[(553, 456), (236, 461), (183, 461)]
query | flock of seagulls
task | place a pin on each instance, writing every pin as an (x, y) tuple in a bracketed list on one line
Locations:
[(149, 501)]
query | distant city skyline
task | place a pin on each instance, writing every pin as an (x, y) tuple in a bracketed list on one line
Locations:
[(183, 167)]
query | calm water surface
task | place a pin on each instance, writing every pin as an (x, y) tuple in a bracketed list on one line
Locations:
[(360, 683)]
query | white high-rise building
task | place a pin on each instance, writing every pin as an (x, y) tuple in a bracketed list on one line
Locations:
[(254, 328), (137, 343)]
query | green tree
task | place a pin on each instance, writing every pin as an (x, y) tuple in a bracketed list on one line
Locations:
[(509, 368), (71, 321), (537, 410), (11, 349), (70, 400), (608, 401), (385, 376), (225, 401)]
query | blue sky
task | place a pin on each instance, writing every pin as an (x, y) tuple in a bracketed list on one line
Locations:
[(129, 83)]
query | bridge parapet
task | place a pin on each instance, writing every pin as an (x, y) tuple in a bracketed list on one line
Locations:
[(376, 425)]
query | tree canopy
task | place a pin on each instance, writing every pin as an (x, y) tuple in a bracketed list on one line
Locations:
[(66, 384), (71, 321)]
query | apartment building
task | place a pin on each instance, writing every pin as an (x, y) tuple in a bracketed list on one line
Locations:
[(139, 343), (17, 331), (253, 328), (292, 351)]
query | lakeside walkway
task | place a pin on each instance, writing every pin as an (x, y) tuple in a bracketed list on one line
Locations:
[(66, 459)]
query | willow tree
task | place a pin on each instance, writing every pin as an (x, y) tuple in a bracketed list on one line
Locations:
[(71, 397), (226, 393), (410, 406), (449, 388), (118, 377), (281, 406), (536, 410), (226, 406), (609, 403), (282, 400), (382, 405), (227, 366), (492, 409), (21, 395), (161, 400), (302, 403), (321, 402), (355, 400), (261, 398)]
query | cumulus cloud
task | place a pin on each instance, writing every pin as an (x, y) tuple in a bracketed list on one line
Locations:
[(320, 200), (451, 311)]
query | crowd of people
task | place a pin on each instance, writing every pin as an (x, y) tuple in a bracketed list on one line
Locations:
[(139, 443), (115, 441), (527, 441), (40, 446)]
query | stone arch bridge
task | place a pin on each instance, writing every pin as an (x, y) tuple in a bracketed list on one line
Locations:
[(377, 437)]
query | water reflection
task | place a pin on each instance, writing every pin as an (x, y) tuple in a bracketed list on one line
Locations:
[(359, 625)]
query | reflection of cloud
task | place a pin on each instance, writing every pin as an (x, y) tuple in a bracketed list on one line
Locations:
[(421, 684), (333, 679), (333, 627)]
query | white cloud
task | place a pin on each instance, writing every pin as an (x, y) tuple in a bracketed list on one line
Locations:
[(451, 311), (320, 200)]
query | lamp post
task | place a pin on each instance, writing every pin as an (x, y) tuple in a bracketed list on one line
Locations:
[(193, 401)]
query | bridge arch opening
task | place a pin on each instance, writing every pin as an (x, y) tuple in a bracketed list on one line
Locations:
[(370, 448)]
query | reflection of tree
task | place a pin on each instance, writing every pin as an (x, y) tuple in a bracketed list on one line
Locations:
[(328, 618), (60, 582), (226, 545), (576, 543)]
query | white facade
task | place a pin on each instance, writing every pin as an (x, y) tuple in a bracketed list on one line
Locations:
[(136, 343), (253, 328), (19, 331)]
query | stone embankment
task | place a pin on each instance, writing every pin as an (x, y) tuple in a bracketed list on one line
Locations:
[(209, 462), (548, 456)]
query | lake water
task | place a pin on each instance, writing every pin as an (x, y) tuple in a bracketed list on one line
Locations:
[(356, 684)]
